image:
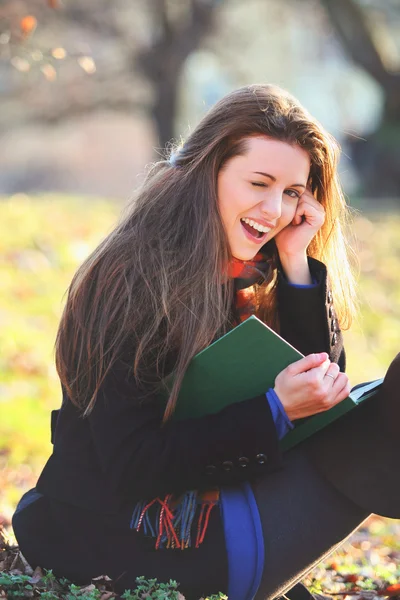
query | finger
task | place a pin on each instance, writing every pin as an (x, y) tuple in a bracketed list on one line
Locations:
[(339, 391), (313, 213), (317, 375), (297, 219), (341, 388), (309, 204), (307, 363), (331, 375), (301, 211), (309, 196)]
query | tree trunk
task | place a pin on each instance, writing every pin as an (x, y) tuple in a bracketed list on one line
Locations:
[(377, 157), (164, 112), (162, 64)]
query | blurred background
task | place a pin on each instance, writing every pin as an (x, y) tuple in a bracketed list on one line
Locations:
[(93, 91)]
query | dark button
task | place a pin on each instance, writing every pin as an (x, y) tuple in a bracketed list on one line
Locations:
[(334, 339), (227, 465), (333, 325), (243, 461), (210, 469), (331, 312), (261, 459), (329, 297)]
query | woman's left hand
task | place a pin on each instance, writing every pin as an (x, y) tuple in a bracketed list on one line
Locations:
[(309, 217)]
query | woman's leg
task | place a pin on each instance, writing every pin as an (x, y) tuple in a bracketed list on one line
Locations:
[(330, 484), (304, 518)]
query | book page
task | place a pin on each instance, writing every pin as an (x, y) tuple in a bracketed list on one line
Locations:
[(357, 394)]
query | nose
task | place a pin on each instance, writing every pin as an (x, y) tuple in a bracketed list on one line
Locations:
[(271, 206)]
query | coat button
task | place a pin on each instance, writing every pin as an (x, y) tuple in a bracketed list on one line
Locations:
[(261, 459), (333, 325), (331, 312), (227, 465), (334, 339), (243, 461), (210, 469), (329, 297)]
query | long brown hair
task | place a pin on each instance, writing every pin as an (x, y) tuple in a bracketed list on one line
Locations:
[(155, 289)]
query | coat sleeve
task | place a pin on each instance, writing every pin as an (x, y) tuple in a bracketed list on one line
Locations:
[(307, 316), (142, 459)]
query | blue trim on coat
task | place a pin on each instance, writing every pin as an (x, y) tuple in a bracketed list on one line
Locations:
[(282, 422), (244, 541)]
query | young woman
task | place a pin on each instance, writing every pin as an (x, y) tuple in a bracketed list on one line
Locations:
[(244, 218)]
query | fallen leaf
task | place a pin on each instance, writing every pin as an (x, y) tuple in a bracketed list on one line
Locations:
[(87, 588), (351, 578), (28, 24), (36, 576), (391, 590), (101, 579)]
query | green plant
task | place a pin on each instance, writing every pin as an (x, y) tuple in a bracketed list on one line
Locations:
[(14, 585), (150, 589), (49, 596), (77, 592)]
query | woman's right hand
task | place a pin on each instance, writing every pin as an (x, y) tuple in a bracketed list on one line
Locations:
[(311, 385)]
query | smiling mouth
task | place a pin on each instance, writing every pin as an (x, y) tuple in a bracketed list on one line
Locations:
[(256, 231)]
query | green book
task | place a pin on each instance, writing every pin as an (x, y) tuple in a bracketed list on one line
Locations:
[(244, 363), (306, 427)]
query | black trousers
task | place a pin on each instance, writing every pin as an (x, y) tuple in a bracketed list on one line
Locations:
[(304, 518)]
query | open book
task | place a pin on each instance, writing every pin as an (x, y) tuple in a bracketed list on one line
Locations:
[(244, 363)]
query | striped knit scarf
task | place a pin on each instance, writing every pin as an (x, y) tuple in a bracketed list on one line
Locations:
[(246, 274), (175, 522)]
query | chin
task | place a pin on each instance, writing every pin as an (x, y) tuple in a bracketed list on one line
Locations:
[(243, 255)]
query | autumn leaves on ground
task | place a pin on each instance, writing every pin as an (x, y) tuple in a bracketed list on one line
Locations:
[(42, 242)]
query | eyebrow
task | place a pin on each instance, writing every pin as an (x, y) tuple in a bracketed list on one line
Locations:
[(274, 179)]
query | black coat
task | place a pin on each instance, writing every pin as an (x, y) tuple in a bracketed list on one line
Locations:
[(103, 464), (120, 452)]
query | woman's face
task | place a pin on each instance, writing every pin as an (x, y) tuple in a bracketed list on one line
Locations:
[(258, 193)]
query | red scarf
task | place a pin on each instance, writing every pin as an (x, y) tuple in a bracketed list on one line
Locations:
[(246, 273)]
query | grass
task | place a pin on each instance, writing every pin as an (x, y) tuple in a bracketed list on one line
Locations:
[(42, 242)]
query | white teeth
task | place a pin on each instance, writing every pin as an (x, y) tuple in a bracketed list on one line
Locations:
[(256, 226)]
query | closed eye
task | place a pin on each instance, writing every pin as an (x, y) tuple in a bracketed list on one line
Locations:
[(259, 184)]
